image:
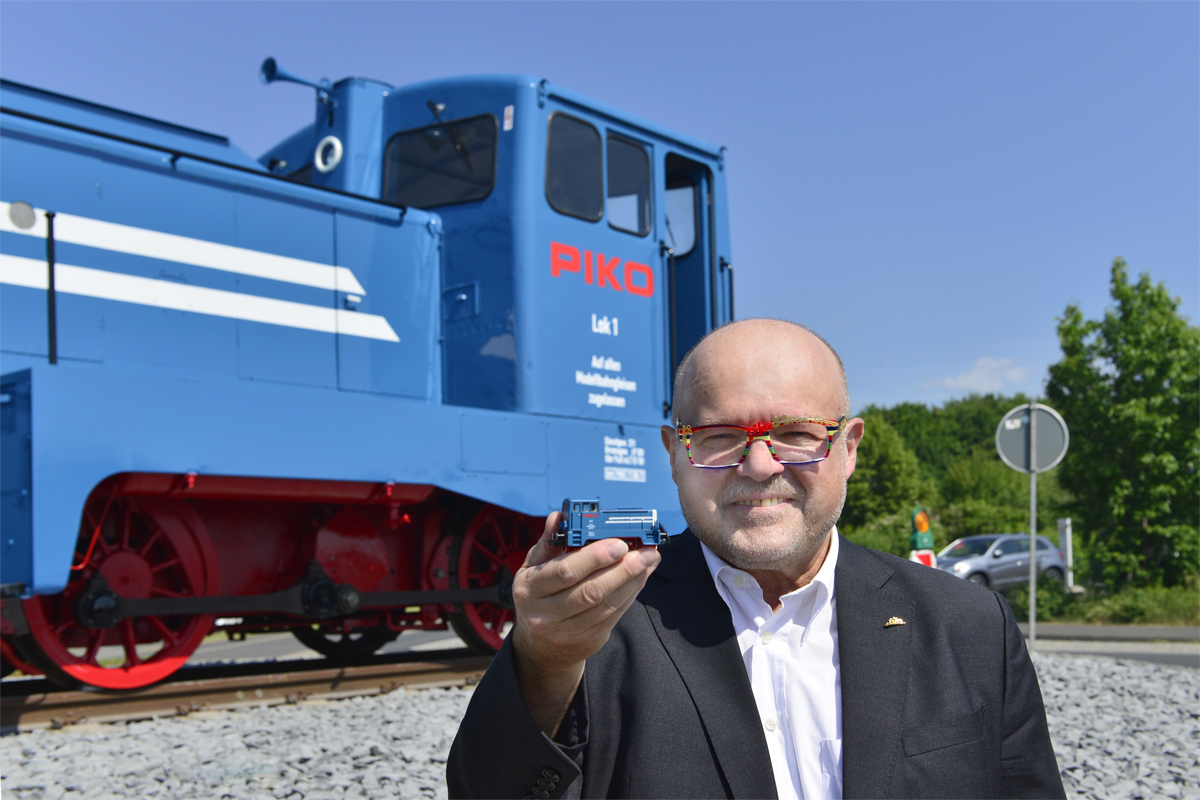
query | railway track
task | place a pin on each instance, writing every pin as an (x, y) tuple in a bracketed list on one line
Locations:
[(32, 704)]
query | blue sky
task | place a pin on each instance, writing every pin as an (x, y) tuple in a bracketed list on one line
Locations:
[(926, 184)]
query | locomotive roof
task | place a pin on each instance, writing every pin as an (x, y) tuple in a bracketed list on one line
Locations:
[(59, 109), (563, 94)]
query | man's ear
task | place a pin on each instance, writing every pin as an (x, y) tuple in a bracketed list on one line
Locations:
[(669, 438), (853, 432)]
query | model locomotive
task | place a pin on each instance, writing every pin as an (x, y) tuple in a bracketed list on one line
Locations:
[(332, 389), (583, 521)]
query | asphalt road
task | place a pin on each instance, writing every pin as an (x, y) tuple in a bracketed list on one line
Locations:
[(1159, 644)]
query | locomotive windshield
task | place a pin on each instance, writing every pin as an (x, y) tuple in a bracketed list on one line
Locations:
[(442, 164)]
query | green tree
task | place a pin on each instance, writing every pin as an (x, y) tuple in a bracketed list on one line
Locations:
[(942, 436), (981, 494), (1128, 386), (886, 479)]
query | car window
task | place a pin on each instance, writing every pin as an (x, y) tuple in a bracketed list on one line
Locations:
[(1042, 544), (437, 165), (574, 179), (1012, 546), (967, 548)]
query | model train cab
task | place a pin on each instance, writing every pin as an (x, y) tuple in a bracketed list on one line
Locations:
[(585, 250)]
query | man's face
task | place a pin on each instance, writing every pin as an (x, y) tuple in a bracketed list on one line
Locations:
[(763, 514)]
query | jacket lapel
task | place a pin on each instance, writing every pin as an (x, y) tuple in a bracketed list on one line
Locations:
[(874, 669), (696, 629)]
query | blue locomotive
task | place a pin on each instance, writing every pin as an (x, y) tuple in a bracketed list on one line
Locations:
[(334, 389), (583, 521)]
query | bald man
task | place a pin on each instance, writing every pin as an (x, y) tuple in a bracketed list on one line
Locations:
[(761, 654)]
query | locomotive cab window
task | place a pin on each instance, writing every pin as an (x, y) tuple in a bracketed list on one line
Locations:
[(680, 204), (574, 176), (438, 165), (628, 186)]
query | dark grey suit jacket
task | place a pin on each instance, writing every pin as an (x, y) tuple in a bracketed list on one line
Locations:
[(946, 705)]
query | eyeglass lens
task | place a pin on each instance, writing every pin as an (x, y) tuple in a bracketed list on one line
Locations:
[(722, 447)]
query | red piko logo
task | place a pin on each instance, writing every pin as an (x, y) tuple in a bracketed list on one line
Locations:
[(565, 258)]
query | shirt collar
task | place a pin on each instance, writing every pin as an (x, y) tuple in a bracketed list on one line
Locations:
[(725, 576)]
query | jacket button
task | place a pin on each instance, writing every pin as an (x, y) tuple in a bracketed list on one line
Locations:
[(540, 792), (551, 775), (547, 785)]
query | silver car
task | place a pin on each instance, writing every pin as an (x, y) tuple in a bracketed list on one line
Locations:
[(1000, 560)]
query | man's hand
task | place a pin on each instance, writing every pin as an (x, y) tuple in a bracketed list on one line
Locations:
[(567, 604)]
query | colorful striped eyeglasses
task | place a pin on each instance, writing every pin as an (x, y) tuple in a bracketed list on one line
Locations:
[(791, 440)]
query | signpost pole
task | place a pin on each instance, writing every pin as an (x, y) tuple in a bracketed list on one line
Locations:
[(1070, 557), (1019, 450), (1032, 524)]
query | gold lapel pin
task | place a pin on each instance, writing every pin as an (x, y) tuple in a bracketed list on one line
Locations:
[(894, 621)]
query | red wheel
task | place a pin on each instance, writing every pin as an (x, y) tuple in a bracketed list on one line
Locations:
[(488, 550), (147, 548)]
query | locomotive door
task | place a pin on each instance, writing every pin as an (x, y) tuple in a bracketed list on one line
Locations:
[(687, 253), (386, 322)]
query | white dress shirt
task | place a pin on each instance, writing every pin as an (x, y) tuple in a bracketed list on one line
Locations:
[(792, 659)]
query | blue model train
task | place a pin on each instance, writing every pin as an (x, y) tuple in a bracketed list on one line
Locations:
[(583, 521), (331, 390)]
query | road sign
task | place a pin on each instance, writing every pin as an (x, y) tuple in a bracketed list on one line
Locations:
[(921, 540), (1050, 434), (1032, 438)]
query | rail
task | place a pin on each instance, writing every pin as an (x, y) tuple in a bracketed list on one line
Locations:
[(29, 705)]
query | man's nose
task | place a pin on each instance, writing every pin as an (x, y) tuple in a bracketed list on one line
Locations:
[(759, 464)]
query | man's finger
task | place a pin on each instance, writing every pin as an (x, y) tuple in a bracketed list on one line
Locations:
[(570, 568), (613, 605), (598, 587)]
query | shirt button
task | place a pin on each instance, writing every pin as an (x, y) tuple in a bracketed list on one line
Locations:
[(767, 637), (739, 581), (772, 724)]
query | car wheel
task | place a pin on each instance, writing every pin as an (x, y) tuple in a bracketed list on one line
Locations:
[(979, 578), (1054, 574)]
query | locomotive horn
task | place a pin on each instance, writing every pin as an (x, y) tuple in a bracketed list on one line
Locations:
[(270, 72)]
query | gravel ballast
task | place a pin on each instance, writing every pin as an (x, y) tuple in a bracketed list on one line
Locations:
[(1121, 729)]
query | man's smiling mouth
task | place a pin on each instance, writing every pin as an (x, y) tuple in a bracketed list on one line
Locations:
[(766, 501)]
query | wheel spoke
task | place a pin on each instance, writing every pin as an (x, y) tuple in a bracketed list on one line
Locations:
[(95, 639), (488, 554), (102, 547), (170, 637), (129, 643), (62, 626), (161, 592), (165, 564), (150, 542)]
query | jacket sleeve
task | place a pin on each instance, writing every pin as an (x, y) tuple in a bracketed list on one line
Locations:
[(500, 752), (1028, 765)]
